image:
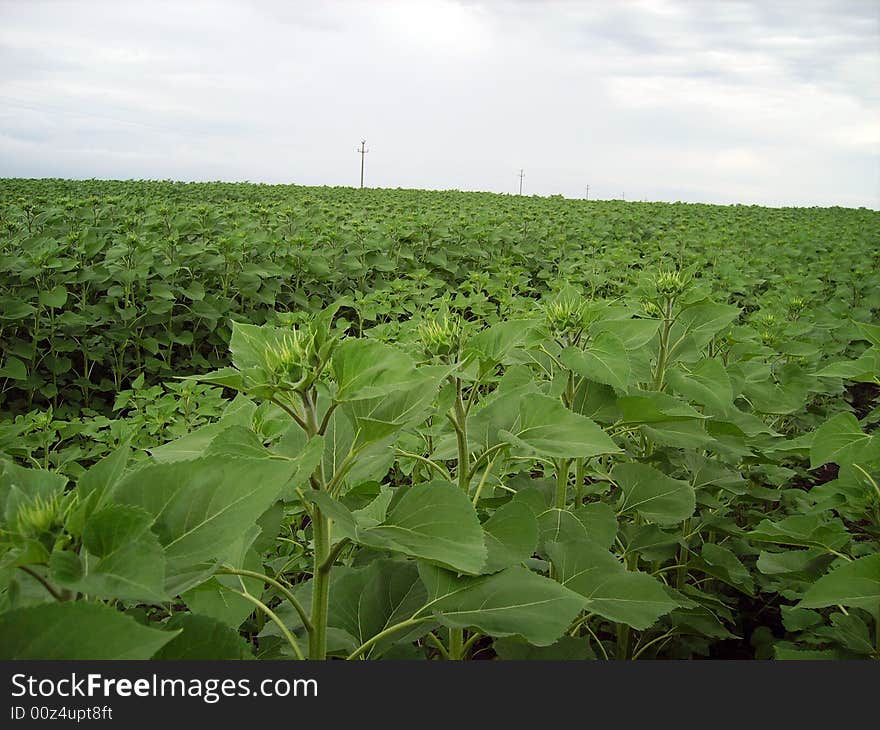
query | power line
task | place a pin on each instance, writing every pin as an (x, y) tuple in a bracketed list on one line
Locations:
[(363, 151)]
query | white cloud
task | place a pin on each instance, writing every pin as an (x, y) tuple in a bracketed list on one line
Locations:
[(718, 101)]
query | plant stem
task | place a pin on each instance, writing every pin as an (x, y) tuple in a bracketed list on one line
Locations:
[(456, 644), (468, 645), (483, 482), (667, 635), (562, 470), (432, 637), (682, 572), (274, 617), (623, 634), (578, 482), (596, 639), (432, 464), (304, 617), (367, 645), (320, 586), (660, 372), (460, 421), (43, 582)]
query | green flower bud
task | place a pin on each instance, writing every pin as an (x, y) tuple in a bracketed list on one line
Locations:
[(39, 516), (651, 308), (565, 316), (671, 283), (440, 335)]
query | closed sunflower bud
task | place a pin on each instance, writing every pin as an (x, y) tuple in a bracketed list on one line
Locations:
[(651, 308), (768, 338), (565, 316), (440, 335), (671, 283), (39, 516), (287, 361)]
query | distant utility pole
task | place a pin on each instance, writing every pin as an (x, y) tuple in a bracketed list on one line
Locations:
[(588, 192), (623, 196), (521, 175), (363, 150)]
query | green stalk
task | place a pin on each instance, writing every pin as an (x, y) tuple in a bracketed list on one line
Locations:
[(624, 632), (562, 470), (682, 572), (456, 644), (272, 617), (460, 423), (370, 643), (321, 550), (304, 617), (623, 636), (483, 482), (578, 482), (663, 353), (321, 586)]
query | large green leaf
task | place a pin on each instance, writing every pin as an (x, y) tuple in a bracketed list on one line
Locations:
[(841, 440), (633, 333), (101, 477), (369, 368), (514, 602), (656, 408), (721, 563), (367, 601), (201, 507), (55, 298), (123, 557), (814, 531), (596, 522), (559, 525), (855, 583), (653, 495), (498, 414), (610, 590), (511, 536), (77, 630), (600, 522), (435, 522), (603, 360), (14, 369), (706, 383), (251, 345), (567, 648), (864, 369), (342, 438), (212, 598), (548, 428), (697, 325), (202, 638), (492, 345), (377, 418)]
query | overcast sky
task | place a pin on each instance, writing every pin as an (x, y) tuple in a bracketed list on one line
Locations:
[(764, 102)]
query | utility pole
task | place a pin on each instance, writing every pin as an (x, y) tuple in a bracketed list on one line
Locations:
[(521, 175), (363, 151), (588, 192)]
